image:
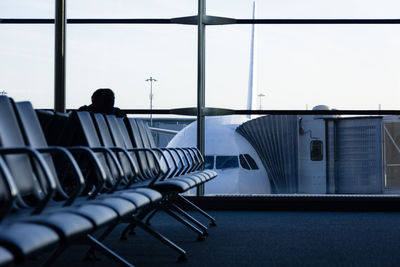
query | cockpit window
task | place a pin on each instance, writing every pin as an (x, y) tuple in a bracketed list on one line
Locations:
[(209, 162), (251, 162), (243, 162), (227, 162)]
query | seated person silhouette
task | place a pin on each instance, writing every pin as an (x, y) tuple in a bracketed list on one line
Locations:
[(103, 102)]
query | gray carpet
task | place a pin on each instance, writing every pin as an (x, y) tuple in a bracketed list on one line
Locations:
[(263, 239)]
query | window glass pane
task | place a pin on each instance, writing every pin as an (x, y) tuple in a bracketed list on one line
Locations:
[(27, 9), (252, 162), (27, 63), (209, 162), (131, 9), (123, 57), (166, 126), (243, 162), (316, 150), (303, 66), (305, 9), (226, 162)]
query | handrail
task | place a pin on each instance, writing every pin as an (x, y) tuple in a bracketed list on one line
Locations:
[(222, 112)]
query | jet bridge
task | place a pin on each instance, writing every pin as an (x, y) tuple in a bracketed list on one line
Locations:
[(328, 155), (275, 140)]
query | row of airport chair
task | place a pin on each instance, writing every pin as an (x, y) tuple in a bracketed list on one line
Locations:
[(104, 181)]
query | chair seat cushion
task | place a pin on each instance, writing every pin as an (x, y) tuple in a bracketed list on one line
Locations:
[(208, 174), (122, 206), (66, 225), (6, 257), (139, 200), (24, 239), (196, 179), (99, 215), (186, 179), (171, 185), (153, 195)]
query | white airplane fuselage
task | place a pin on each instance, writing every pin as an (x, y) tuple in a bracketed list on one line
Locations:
[(226, 152)]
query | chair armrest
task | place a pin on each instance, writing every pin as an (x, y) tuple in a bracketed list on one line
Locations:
[(160, 175), (130, 160), (102, 176), (12, 187), (47, 174), (57, 150), (169, 151)]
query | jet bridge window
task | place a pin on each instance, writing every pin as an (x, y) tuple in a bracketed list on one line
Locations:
[(209, 162), (227, 162), (316, 150)]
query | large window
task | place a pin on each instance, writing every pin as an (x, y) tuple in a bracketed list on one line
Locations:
[(302, 66), (123, 57), (27, 63), (294, 67), (131, 9)]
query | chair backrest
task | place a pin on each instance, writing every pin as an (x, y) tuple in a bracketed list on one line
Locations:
[(20, 166), (124, 133), (46, 119), (34, 137), (108, 140), (134, 133), (118, 130), (129, 145), (103, 131), (86, 135), (85, 130), (149, 135), (143, 133), (30, 125)]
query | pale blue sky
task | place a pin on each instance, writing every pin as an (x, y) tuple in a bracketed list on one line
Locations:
[(343, 66)]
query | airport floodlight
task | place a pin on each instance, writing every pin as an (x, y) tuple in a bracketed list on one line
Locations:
[(260, 96), (151, 80)]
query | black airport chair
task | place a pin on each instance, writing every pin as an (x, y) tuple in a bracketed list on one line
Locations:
[(85, 134), (153, 175), (114, 138), (191, 159), (37, 183), (139, 135), (18, 239)]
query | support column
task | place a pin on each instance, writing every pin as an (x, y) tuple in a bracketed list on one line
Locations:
[(59, 56), (201, 83)]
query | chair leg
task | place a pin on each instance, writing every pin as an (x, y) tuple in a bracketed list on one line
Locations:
[(151, 216), (55, 255), (186, 223), (191, 218), (130, 228), (163, 239), (90, 252), (108, 252), (205, 214), (132, 224)]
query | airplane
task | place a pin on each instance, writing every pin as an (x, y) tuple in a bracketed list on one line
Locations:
[(239, 168)]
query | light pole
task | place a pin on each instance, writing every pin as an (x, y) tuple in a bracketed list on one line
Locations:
[(260, 95), (151, 80)]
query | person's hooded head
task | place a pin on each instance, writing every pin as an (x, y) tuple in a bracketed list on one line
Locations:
[(103, 100)]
